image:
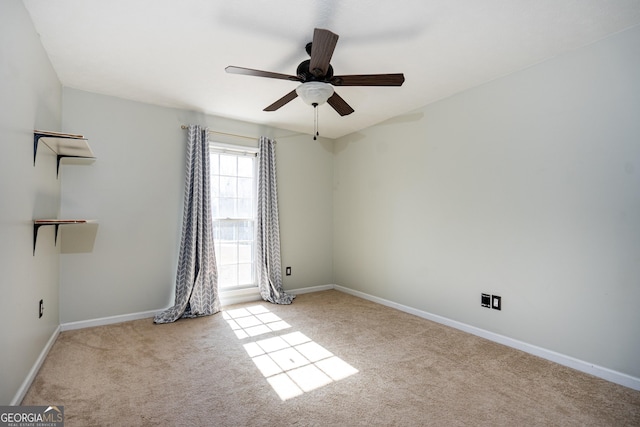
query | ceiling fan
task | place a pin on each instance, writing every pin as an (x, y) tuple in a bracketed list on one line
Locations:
[(317, 78)]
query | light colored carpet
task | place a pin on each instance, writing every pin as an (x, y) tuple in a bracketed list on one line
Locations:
[(344, 361)]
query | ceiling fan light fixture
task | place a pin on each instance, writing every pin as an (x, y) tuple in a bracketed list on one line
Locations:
[(314, 93)]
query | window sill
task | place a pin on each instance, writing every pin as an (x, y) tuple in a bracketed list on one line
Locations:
[(237, 296)]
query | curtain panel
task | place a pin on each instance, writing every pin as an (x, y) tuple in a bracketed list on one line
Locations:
[(197, 275), (268, 227)]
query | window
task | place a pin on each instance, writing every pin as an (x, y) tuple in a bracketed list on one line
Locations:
[(233, 207)]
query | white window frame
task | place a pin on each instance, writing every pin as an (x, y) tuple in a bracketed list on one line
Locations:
[(240, 150)]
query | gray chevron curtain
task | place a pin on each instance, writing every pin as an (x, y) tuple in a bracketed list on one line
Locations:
[(197, 275), (268, 227)]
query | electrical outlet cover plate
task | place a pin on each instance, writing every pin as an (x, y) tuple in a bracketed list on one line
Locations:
[(496, 302)]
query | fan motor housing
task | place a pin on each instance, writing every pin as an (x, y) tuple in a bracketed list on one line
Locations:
[(307, 76)]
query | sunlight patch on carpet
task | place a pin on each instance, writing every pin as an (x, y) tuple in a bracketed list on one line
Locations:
[(292, 363), (253, 321)]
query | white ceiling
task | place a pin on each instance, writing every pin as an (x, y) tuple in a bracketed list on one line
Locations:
[(173, 53)]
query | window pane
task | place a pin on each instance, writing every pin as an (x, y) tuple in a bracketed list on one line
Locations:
[(245, 231), (227, 208), (245, 166), (225, 231), (228, 275), (228, 186), (245, 208), (214, 209), (228, 254), (245, 253), (215, 186), (245, 187), (228, 165), (215, 164), (245, 274)]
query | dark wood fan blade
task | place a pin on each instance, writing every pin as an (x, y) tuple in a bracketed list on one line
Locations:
[(259, 73), (282, 101), (322, 47), (339, 104), (369, 80)]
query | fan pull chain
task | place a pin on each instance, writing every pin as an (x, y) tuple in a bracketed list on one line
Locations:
[(315, 121)]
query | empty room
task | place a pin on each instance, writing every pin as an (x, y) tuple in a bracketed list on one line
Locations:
[(419, 212)]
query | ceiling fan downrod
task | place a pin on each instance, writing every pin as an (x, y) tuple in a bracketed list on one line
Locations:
[(315, 121)]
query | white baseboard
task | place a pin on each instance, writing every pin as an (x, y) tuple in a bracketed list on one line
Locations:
[(22, 391), (69, 326), (561, 359), (310, 289)]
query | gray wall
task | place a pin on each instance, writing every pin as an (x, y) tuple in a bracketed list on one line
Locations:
[(30, 96), (527, 187), (135, 191)]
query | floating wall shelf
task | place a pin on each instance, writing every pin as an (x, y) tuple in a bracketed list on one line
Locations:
[(37, 223), (65, 145)]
